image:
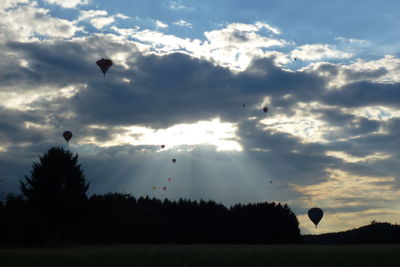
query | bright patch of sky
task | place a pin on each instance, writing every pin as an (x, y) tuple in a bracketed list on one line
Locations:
[(214, 132)]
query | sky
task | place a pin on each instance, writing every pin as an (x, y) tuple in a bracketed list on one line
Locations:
[(195, 76)]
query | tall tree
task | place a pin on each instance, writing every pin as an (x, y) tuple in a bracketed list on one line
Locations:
[(56, 188), (55, 181)]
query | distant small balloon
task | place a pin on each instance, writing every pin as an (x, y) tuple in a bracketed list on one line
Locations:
[(169, 179), (315, 215), (164, 188), (162, 146), (104, 65), (173, 160), (265, 109), (154, 187), (67, 135), (243, 105)]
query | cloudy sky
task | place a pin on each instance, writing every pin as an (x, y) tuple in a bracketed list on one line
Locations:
[(195, 76)]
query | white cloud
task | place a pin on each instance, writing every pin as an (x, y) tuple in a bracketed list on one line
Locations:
[(389, 63), (374, 112), (91, 14), (23, 100), (239, 34), (272, 29), (304, 123), (12, 3), (121, 16), (183, 23), (360, 42), (234, 46), (68, 3), (318, 52), (26, 21), (177, 4), (383, 70), (353, 159), (160, 24), (100, 22), (99, 18)]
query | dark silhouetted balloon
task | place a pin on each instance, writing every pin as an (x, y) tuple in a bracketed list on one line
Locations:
[(173, 160), (169, 179), (67, 135), (164, 188), (104, 65), (315, 215), (243, 105), (162, 146), (265, 109)]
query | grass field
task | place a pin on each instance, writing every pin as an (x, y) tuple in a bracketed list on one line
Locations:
[(205, 255)]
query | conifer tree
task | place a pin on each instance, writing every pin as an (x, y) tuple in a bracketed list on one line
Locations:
[(56, 191)]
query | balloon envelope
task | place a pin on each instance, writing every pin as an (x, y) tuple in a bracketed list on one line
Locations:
[(67, 135), (265, 109), (169, 179), (173, 160), (164, 188), (315, 215), (104, 65), (162, 146)]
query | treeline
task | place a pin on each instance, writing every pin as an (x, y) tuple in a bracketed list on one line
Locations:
[(374, 233), (120, 218), (53, 208)]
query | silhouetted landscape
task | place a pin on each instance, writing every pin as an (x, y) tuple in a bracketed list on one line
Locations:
[(374, 233), (53, 209)]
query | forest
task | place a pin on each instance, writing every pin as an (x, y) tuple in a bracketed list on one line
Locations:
[(53, 208)]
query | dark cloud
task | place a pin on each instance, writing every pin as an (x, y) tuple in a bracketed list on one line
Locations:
[(176, 88), (14, 130), (286, 157), (361, 94), (354, 75), (59, 63), (164, 90), (328, 68)]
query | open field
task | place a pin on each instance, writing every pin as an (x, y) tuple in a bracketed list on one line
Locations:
[(205, 255)]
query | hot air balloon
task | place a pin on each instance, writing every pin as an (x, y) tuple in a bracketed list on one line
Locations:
[(164, 188), (67, 135), (173, 160), (265, 109), (169, 179), (315, 215), (244, 105), (162, 146), (154, 187), (104, 64)]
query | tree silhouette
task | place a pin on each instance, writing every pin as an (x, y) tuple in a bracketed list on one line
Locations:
[(56, 189)]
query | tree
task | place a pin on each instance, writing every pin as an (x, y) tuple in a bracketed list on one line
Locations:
[(56, 180), (56, 188)]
